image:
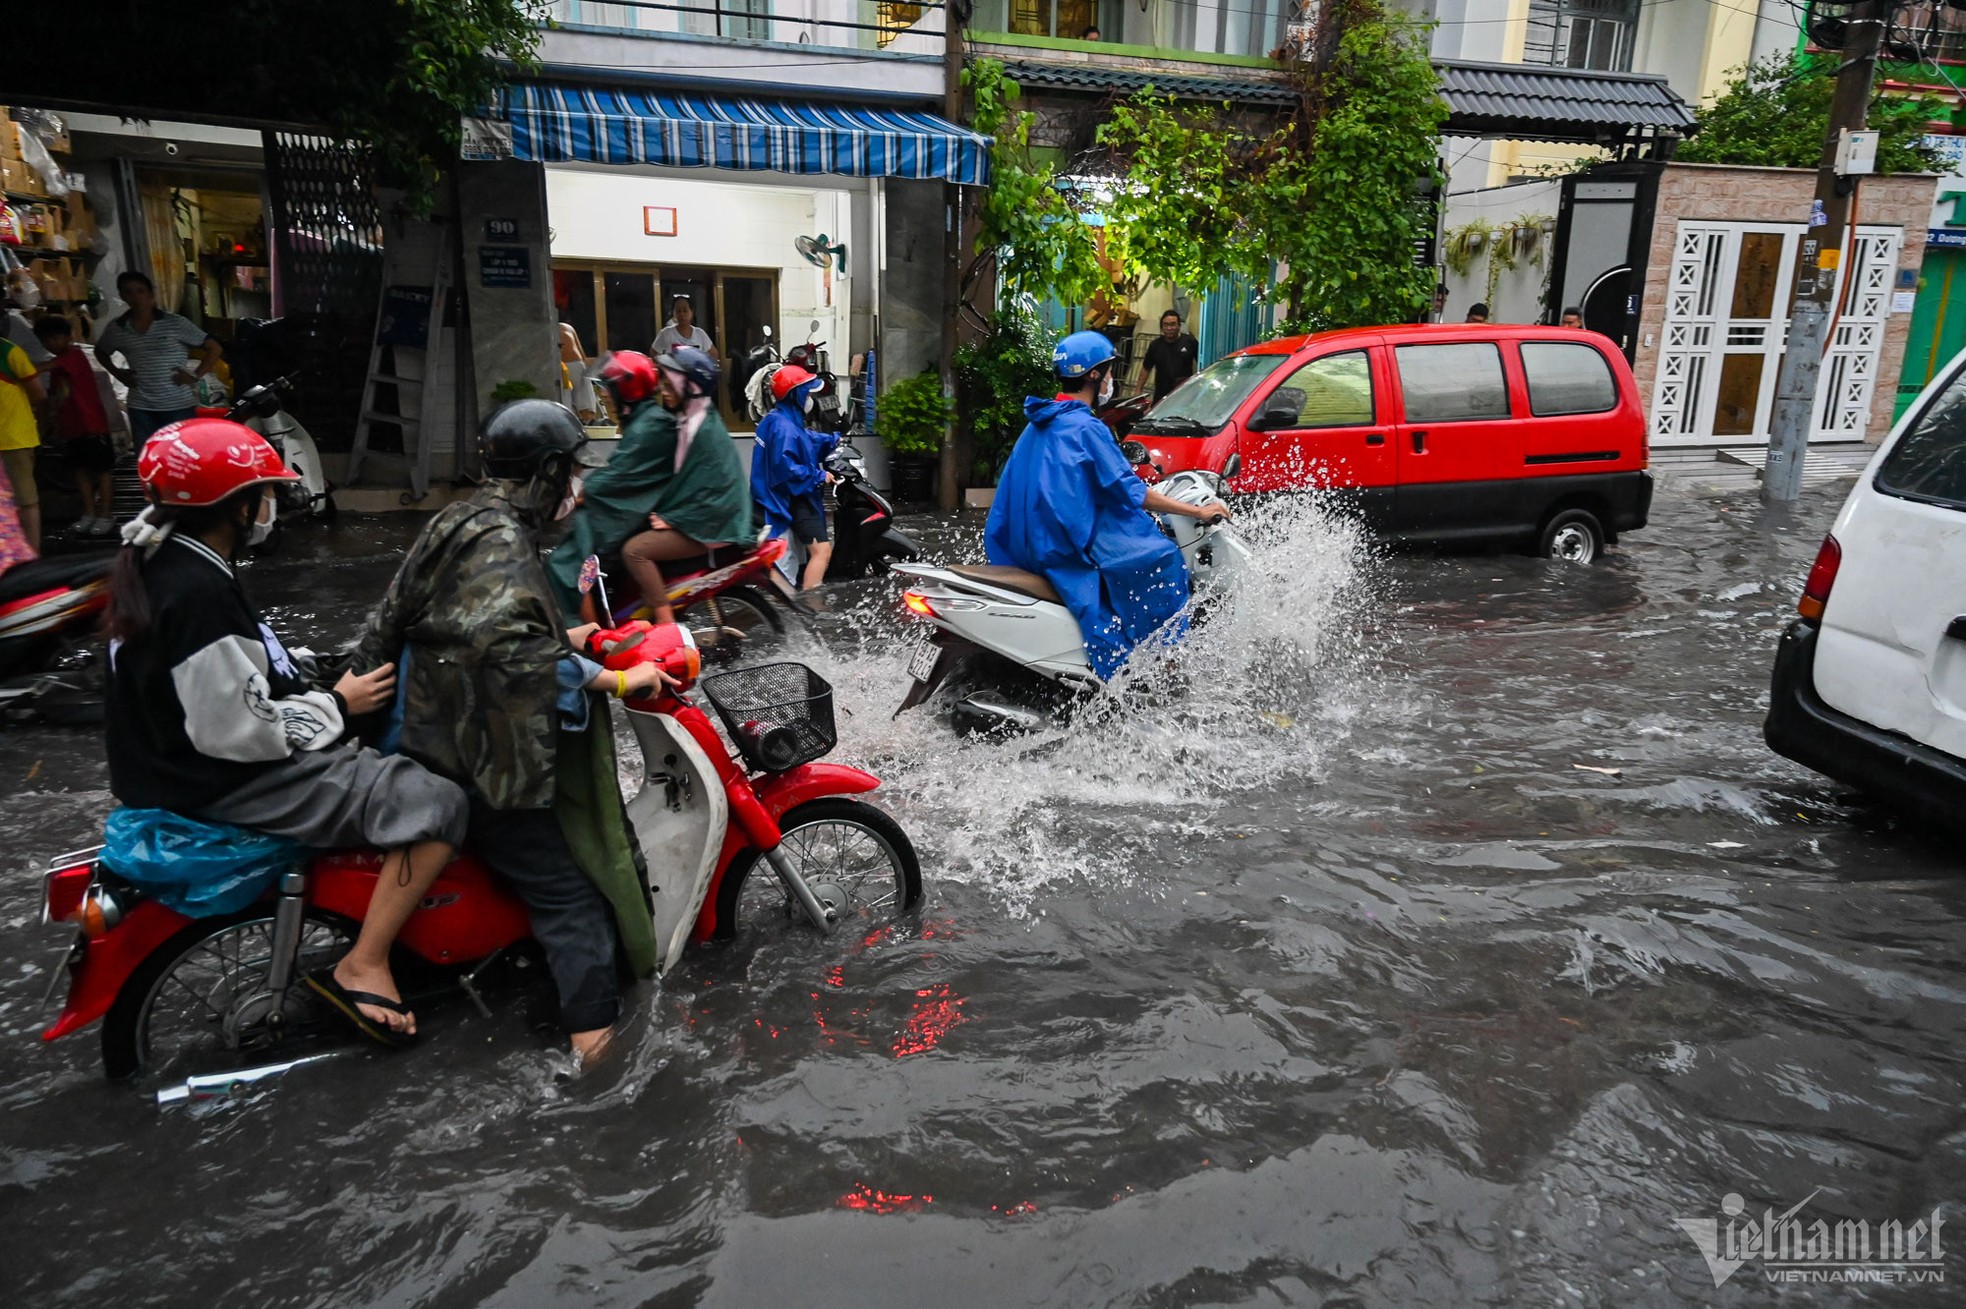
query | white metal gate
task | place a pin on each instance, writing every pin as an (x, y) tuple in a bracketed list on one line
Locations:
[(1721, 346)]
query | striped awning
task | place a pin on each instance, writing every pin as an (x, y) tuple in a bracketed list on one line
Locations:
[(586, 124)]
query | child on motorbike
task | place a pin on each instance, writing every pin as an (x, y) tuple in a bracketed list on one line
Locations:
[(208, 716), (494, 697), (672, 489), (788, 474)]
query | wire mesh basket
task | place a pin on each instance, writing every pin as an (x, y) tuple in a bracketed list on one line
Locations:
[(779, 715)]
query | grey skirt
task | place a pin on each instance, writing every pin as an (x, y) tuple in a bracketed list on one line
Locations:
[(339, 799)]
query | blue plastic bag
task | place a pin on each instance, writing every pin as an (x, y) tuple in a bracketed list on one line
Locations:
[(198, 868)]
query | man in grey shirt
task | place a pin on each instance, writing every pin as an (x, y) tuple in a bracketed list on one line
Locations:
[(156, 347), (680, 330)]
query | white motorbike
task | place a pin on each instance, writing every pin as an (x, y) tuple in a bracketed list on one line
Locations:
[(1008, 643), (263, 409)]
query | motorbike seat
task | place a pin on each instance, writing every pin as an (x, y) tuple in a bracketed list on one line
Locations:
[(1010, 579), (34, 576)]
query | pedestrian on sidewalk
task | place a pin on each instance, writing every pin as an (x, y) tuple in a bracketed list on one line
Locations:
[(156, 347), (80, 422), (21, 395)]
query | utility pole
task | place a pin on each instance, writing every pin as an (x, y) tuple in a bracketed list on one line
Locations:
[(1821, 254), (948, 490)]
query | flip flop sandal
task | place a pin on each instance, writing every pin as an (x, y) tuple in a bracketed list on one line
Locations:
[(323, 984)]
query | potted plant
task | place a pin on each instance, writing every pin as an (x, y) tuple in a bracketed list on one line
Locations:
[(910, 419), (515, 388)]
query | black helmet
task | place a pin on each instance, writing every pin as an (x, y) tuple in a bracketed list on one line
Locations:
[(699, 370), (521, 436)]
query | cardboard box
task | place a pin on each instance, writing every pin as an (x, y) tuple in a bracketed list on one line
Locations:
[(10, 140), (18, 178), (80, 224)]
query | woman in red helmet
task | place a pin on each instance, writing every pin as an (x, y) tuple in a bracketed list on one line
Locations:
[(672, 488), (208, 716)]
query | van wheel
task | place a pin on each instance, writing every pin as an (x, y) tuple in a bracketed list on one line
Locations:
[(1573, 535)]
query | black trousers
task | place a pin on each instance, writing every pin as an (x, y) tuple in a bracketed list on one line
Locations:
[(571, 919)]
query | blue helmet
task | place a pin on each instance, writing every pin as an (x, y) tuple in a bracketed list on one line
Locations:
[(1080, 353)]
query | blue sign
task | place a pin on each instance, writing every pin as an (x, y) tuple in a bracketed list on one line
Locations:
[(508, 267), (1945, 238)]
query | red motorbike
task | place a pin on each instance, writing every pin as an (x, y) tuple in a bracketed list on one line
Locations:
[(733, 599), (180, 995)]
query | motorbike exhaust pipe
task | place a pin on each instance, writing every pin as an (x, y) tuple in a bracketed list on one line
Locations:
[(213, 1086)]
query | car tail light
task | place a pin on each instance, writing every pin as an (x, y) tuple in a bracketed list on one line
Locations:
[(918, 604), (1822, 576)]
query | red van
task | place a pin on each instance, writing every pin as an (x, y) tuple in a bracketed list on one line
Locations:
[(1447, 433)]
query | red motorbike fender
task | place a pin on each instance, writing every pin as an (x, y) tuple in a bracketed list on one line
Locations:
[(107, 962), (778, 795)]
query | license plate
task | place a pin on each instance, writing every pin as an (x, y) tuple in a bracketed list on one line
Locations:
[(922, 666)]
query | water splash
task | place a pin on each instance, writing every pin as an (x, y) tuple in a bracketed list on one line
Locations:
[(1265, 688)]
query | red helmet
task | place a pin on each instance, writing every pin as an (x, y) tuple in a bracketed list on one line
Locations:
[(200, 461), (787, 379), (630, 378)]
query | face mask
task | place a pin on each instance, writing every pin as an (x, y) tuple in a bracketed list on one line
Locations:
[(263, 527), (570, 499), (1106, 391), (808, 402)]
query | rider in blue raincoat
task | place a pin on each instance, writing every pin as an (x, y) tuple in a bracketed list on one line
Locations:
[(788, 469), (1070, 507)]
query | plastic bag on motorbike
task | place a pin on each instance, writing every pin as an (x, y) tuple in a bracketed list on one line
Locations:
[(200, 869)]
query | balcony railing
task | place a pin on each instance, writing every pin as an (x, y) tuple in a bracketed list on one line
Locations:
[(831, 24)]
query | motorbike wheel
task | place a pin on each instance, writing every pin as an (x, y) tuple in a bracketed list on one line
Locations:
[(737, 623), (200, 1001), (849, 853)]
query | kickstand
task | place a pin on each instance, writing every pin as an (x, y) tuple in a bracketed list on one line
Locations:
[(469, 984)]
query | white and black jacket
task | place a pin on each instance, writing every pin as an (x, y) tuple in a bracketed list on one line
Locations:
[(207, 697)]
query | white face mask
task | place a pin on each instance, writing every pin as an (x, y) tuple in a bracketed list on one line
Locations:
[(1106, 391), (570, 500), (263, 527), (808, 402)]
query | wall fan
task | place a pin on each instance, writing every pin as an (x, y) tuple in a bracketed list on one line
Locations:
[(820, 251)]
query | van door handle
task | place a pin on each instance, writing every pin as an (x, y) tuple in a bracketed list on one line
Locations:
[(1375, 438), (1419, 443), (1956, 629)]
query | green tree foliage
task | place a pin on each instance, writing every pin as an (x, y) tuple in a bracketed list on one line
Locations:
[(912, 415), (1775, 114), (1027, 222), (992, 378), (1332, 192)]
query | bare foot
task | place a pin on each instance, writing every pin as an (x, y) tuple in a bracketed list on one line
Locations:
[(590, 1046), (354, 977)]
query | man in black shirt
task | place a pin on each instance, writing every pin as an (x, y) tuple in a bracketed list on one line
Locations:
[(1171, 358)]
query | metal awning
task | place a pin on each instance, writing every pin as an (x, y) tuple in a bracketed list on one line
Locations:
[(1521, 102), (1268, 92), (602, 125)]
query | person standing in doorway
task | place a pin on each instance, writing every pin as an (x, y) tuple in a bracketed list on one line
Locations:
[(21, 395), (156, 347), (681, 330), (1171, 358)]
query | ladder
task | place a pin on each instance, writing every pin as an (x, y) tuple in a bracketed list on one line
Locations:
[(415, 419)]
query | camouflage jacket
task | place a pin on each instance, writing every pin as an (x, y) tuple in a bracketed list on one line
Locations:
[(471, 607)]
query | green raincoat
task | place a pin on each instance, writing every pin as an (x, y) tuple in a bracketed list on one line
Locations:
[(708, 498), (471, 607)]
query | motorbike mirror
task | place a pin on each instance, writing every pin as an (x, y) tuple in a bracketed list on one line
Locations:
[(767, 331), (814, 329), (1232, 467), (1134, 452)]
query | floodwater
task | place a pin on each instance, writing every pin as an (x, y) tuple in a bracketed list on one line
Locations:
[(1443, 941)]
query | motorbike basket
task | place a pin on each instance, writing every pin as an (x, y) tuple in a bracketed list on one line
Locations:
[(779, 715)]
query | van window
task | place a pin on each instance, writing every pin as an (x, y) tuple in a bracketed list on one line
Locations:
[(1929, 461), (1567, 378), (1335, 391), (1453, 383)]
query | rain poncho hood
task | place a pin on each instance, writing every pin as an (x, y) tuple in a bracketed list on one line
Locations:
[(1068, 506), (787, 460)]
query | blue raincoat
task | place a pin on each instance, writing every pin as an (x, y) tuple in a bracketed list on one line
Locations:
[(787, 460), (1068, 506)]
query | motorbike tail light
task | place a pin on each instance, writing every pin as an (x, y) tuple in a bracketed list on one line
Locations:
[(63, 892), (918, 604), (1822, 576), (101, 910)]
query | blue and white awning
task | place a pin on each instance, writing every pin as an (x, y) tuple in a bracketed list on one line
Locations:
[(585, 124)]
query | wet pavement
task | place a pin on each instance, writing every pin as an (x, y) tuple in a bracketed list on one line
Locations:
[(1444, 941)]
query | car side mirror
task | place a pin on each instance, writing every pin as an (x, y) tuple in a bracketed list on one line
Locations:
[(1133, 452), (1232, 467), (1273, 420)]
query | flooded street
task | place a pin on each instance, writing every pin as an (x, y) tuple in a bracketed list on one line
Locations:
[(1447, 937)]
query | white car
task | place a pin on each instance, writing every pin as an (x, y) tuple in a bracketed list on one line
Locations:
[(1870, 682)]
